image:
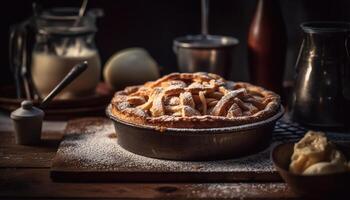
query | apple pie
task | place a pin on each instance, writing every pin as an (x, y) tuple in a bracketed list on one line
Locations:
[(194, 100)]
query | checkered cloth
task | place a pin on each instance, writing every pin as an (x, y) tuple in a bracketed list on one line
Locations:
[(286, 131)]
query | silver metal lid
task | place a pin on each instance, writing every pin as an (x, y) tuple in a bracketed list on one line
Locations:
[(208, 41), (325, 27)]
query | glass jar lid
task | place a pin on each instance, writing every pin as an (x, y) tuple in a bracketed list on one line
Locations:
[(66, 21)]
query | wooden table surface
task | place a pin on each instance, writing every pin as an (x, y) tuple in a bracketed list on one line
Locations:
[(24, 173)]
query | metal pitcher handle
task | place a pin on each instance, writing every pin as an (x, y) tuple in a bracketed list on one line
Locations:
[(18, 57), (15, 55)]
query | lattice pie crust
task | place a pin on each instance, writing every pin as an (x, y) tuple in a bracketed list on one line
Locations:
[(194, 100)]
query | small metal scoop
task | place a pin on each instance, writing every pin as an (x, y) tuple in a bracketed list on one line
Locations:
[(28, 119)]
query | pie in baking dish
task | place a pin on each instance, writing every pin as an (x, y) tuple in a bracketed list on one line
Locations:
[(194, 100)]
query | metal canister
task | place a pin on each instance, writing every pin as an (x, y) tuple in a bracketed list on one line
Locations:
[(207, 53)]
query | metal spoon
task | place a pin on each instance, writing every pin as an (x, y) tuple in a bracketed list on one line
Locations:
[(205, 14), (81, 12), (76, 23), (72, 75)]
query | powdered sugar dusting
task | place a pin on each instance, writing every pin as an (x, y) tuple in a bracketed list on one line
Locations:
[(94, 146)]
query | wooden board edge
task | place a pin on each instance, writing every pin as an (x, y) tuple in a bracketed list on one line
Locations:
[(195, 177)]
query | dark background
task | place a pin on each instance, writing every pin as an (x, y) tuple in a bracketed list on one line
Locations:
[(153, 24)]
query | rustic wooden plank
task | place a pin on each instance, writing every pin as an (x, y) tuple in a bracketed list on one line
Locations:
[(49, 138), (151, 177), (12, 155), (8, 138), (26, 157), (36, 183)]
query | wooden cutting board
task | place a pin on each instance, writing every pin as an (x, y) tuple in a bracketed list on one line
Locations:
[(89, 152)]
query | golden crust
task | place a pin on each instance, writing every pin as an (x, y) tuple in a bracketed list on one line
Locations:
[(194, 100)]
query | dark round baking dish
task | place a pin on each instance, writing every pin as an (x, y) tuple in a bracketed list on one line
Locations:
[(195, 144)]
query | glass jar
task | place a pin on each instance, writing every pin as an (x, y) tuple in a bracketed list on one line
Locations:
[(62, 40)]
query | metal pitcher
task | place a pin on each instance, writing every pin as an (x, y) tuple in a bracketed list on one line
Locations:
[(322, 92)]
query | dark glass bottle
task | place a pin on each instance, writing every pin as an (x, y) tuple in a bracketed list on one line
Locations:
[(267, 46)]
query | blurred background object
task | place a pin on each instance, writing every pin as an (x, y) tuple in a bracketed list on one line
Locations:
[(267, 43), (154, 24), (131, 66)]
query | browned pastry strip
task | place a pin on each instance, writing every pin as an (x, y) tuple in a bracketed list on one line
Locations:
[(197, 77), (173, 76), (188, 111), (234, 111), (209, 100), (212, 103), (141, 92), (149, 103), (241, 104), (173, 109), (157, 108), (225, 102), (186, 99), (174, 87), (204, 102), (252, 109), (256, 102), (173, 83), (172, 101), (174, 90), (177, 114), (215, 95), (136, 100), (131, 89), (196, 99), (137, 112), (123, 105), (118, 98), (223, 90), (195, 88), (247, 107)]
